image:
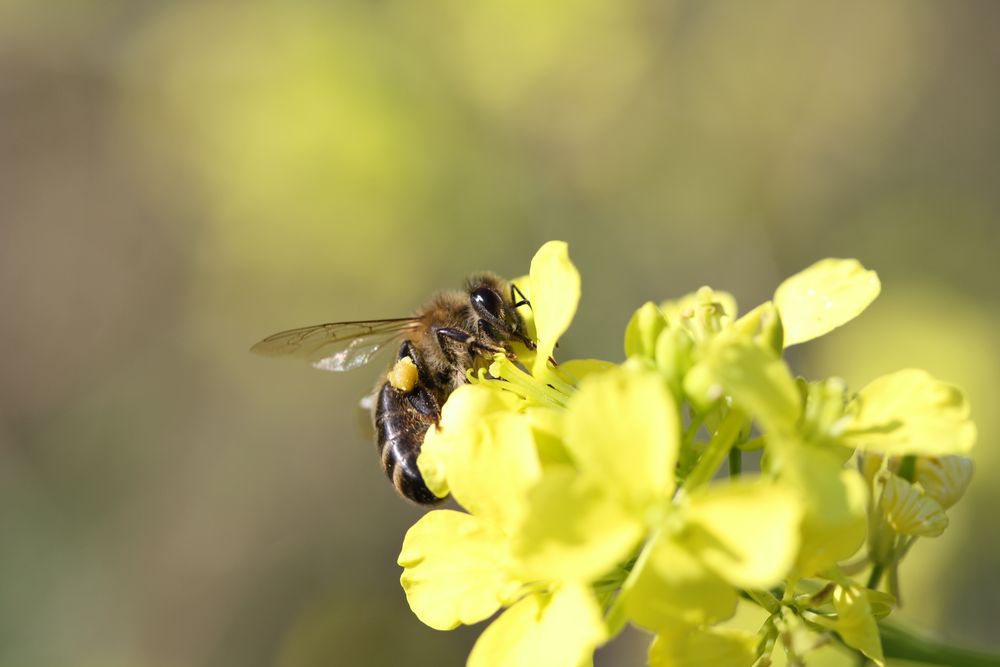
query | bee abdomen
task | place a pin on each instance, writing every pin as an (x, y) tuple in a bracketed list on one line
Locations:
[(400, 430)]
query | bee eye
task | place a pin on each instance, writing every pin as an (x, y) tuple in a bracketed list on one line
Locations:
[(486, 300)]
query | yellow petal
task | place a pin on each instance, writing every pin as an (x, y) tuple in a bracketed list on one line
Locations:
[(484, 453), (909, 511), (432, 462), (835, 503), (491, 470), (557, 630), (622, 428), (824, 296), (909, 412), (461, 416), (574, 531), (555, 292), (524, 355), (856, 624), (574, 370), (527, 314), (703, 647), (547, 430), (747, 532), (455, 569), (669, 585)]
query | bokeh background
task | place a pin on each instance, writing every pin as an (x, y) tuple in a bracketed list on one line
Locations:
[(179, 179)]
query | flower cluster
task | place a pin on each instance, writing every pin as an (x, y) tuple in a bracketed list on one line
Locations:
[(595, 497)]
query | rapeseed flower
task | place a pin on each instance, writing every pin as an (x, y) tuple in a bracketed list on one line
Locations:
[(592, 497)]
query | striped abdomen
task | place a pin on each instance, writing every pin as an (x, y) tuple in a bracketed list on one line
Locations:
[(400, 430)]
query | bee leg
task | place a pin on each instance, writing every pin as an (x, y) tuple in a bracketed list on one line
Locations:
[(447, 336), (406, 350), (422, 400), (487, 332), (528, 343), (517, 297)]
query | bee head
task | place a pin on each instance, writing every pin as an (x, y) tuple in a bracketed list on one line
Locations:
[(492, 300)]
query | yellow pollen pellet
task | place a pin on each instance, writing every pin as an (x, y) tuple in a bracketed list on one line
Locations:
[(403, 375)]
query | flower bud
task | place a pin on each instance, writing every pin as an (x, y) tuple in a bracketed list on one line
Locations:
[(909, 511), (643, 330), (944, 478)]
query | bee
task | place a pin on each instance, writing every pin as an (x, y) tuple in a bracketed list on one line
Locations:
[(454, 332)]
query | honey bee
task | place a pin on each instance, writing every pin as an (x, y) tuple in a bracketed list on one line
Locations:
[(454, 332)]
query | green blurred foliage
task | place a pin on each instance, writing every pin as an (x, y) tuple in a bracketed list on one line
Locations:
[(178, 179)]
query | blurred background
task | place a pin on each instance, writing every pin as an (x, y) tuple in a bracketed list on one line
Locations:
[(179, 179)]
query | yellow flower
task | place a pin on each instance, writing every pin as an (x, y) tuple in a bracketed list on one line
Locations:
[(590, 495), (622, 433)]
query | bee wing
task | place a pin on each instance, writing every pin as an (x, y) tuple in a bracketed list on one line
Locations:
[(338, 346)]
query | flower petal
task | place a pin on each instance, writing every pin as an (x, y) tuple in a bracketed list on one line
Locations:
[(835, 503), (747, 532), (461, 416), (856, 624), (527, 314), (555, 292), (491, 471), (557, 630), (703, 647), (455, 569), (910, 412), (547, 430), (669, 585), (574, 370), (485, 452), (573, 531), (824, 296), (432, 462), (622, 428)]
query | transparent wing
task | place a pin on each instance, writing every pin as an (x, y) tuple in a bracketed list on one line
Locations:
[(339, 346), (357, 353)]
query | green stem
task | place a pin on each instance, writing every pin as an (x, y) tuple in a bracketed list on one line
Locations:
[(908, 467), (764, 599), (716, 452), (875, 577), (735, 462), (904, 643), (692, 432)]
